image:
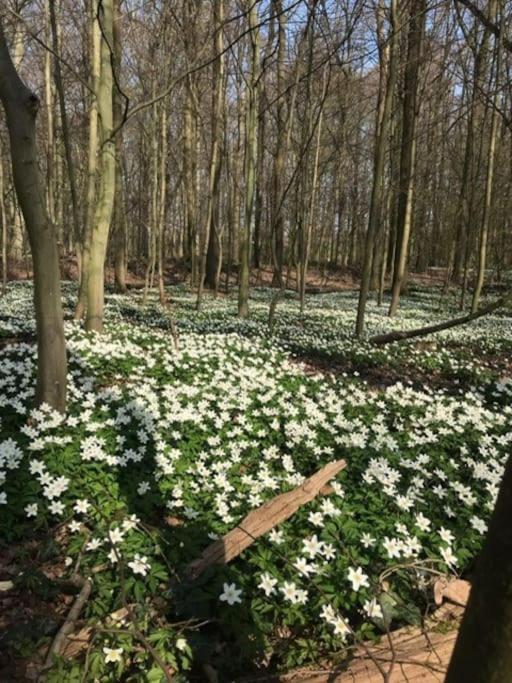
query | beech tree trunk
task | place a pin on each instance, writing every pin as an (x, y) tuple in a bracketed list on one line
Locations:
[(162, 213), (277, 219), (211, 254), (105, 203), (64, 122), (489, 179), (190, 139), (120, 256), (251, 154), (408, 150), (21, 107), (92, 162), (388, 66)]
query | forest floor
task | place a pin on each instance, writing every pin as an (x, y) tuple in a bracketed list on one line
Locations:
[(166, 447), (327, 279)]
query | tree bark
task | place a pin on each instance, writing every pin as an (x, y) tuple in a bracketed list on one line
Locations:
[(383, 125), (277, 219), (212, 243), (483, 652), (92, 162), (417, 13), (251, 154), (120, 250), (190, 141), (105, 203), (3, 223), (64, 122), (489, 180), (21, 107), (162, 213)]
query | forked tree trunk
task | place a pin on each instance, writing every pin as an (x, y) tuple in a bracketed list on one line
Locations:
[(21, 107), (105, 204)]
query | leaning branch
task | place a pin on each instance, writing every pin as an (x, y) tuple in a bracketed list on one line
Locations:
[(381, 339)]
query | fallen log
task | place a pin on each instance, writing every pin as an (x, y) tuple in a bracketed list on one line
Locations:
[(263, 519), (400, 335), (406, 655)]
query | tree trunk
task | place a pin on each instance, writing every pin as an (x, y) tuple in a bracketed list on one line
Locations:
[(64, 122), (383, 125), (92, 163), (21, 106), (190, 142), (489, 180), (105, 203), (120, 251), (251, 154), (483, 652), (50, 125), (408, 149), (277, 219), (3, 223), (162, 214), (212, 250)]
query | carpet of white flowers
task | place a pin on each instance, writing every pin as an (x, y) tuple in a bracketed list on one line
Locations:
[(164, 449)]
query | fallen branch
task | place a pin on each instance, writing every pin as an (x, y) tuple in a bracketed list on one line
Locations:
[(67, 627), (400, 335), (264, 518)]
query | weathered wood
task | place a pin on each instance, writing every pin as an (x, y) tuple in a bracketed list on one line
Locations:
[(454, 590), (417, 654), (264, 518)]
